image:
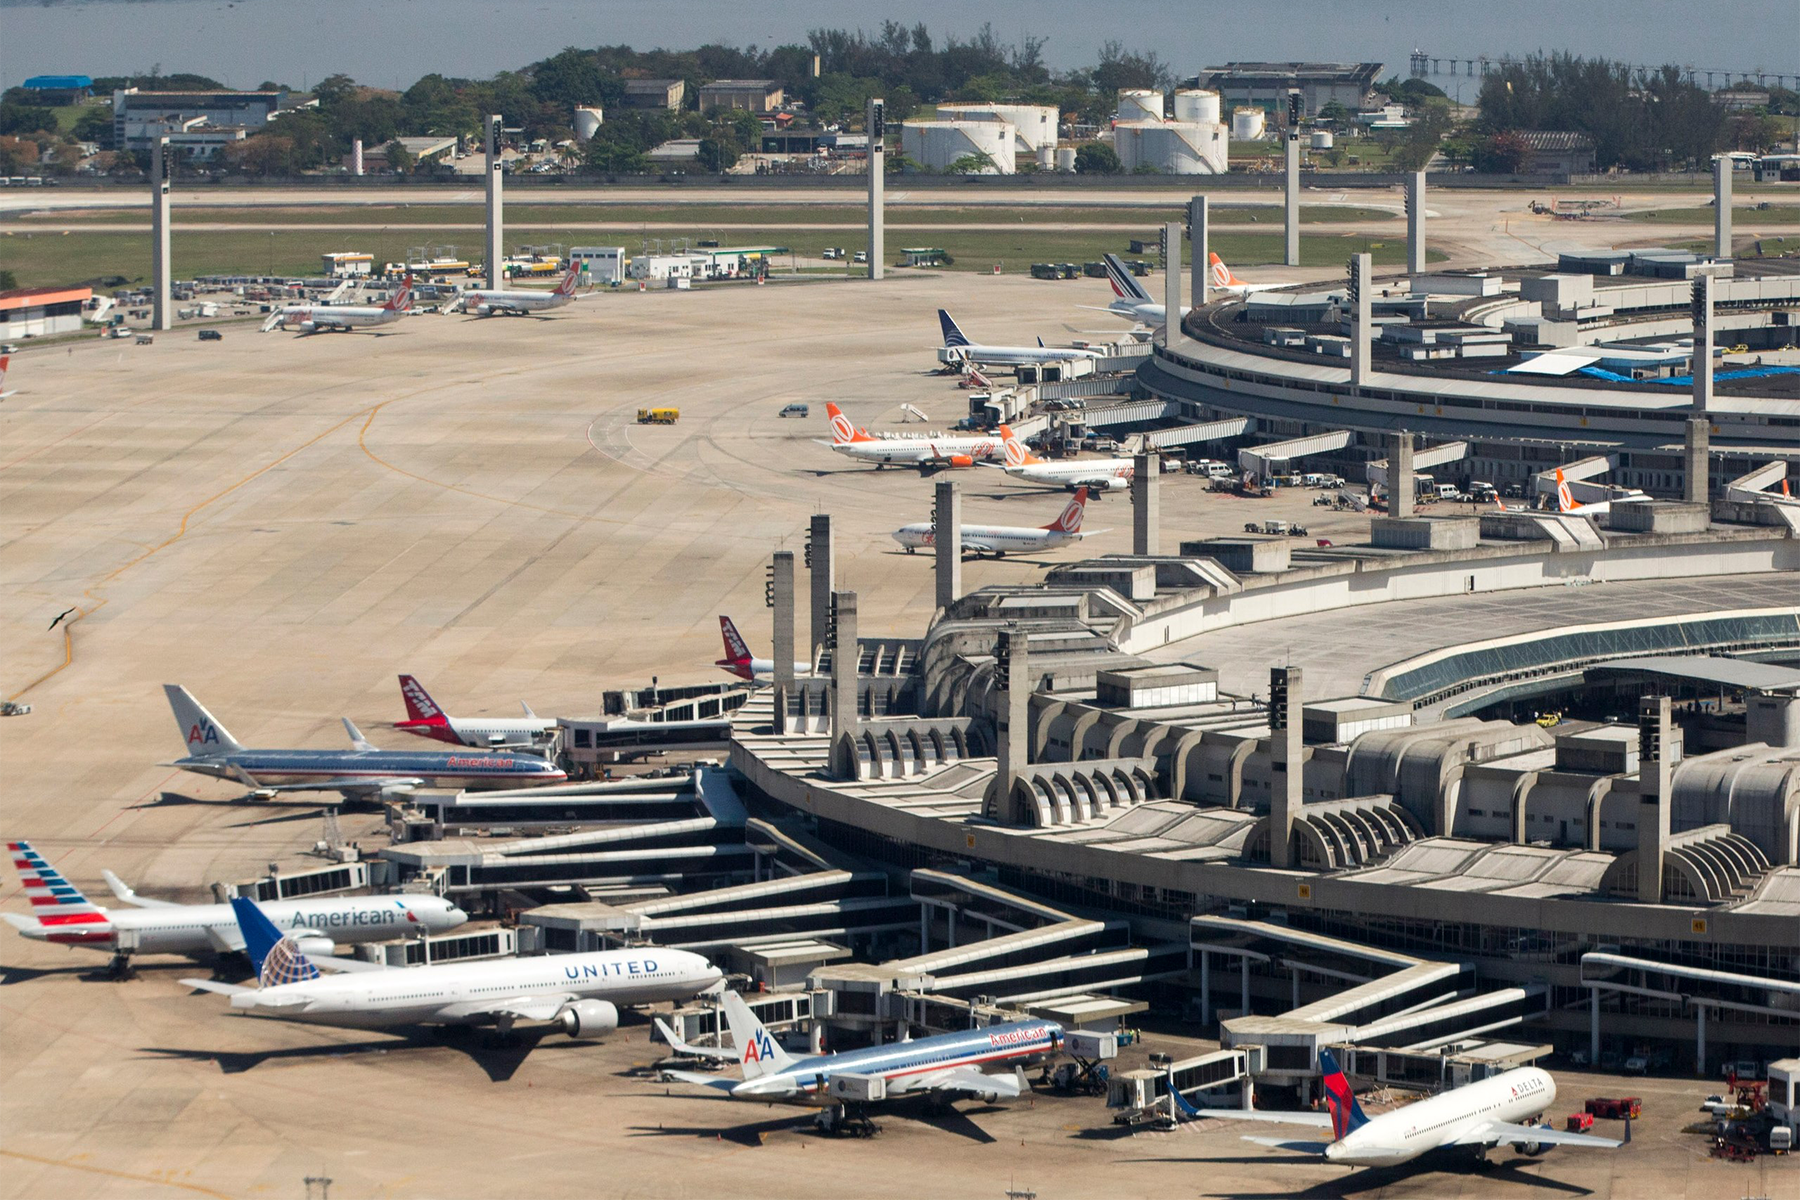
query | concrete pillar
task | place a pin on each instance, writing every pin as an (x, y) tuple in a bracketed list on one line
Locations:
[(1286, 765), (1362, 332), (1415, 222), (496, 226), (1722, 206), (875, 121), (1172, 296), (1199, 256), (1290, 226), (162, 314), (946, 535), (1146, 511), (1205, 989), (1699, 1039), (1244, 983), (1696, 476), (1594, 1026), (818, 561), (781, 599), (1012, 721), (1701, 309), (1400, 475), (844, 715), (1653, 795)]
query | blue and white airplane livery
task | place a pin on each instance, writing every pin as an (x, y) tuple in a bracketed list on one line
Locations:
[(947, 1065)]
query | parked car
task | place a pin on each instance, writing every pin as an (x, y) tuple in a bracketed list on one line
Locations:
[(211, 335), (862, 256), (795, 410)]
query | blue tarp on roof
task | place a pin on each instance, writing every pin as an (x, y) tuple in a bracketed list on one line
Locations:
[(58, 83), (1721, 376)]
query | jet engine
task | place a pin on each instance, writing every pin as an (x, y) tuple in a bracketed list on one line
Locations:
[(312, 943), (1537, 1149), (482, 310), (588, 1018)]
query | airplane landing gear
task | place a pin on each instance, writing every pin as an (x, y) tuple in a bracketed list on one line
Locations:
[(118, 967)]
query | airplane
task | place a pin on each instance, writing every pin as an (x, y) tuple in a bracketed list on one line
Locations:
[(929, 454), (1478, 1115), (1224, 281), (1001, 540), (5, 361), (738, 661), (1565, 500), (580, 993), (1133, 302), (362, 772), (1096, 474), (485, 302), (319, 318), (426, 719), (64, 916), (946, 1065), (959, 349)]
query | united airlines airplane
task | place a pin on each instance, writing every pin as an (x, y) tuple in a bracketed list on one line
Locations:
[(947, 1065), (1477, 1116)]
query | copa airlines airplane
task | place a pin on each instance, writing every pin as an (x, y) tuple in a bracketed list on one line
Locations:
[(581, 993), (1133, 302), (1001, 540), (738, 660), (1095, 474), (318, 318), (425, 718), (947, 1065), (958, 348), (63, 916), (928, 453), (363, 771), (486, 302), (1478, 1115)]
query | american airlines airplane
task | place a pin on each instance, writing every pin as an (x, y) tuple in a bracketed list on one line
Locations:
[(63, 916), (1095, 474), (738, 660), (319, 318), (1478, 1115), (426, 719), (947, 1065), (580, 993), (1001, 540), (485, 302), (362, 772), (958, 348), (929, 454)]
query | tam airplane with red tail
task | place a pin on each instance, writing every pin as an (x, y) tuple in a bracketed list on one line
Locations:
[(426, 718), (740, 662), (487, 302), (928, 452), (1001, 540), (321, 318)]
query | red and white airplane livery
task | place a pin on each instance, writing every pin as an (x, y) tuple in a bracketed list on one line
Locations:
[(927, 452), (426, 719), (319, 318), (739, 661)]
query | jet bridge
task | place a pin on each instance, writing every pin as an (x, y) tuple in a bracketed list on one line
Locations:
[(1376, 472), (1261, 461)]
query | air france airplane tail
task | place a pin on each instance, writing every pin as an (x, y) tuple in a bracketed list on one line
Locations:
[(1070, 521), (757, 1050), (952, 335), (1346, 1114), (199, 730), (1124, 285), (63, 915), (276, 958), (1017, 453)]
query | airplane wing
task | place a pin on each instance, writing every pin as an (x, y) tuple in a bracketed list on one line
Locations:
[(713, 1082), (962, 1079), (124, 893), (211, 985), (1501, 1133), (227, 940), (1318, 1120), (1296, 1147), (350, 786), (977, 545), (691, 1051), (527, 1008)]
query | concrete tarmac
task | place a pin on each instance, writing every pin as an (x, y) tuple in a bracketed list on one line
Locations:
[(284, 523)]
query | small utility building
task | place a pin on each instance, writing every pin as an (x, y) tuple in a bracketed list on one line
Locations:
[(41, 311)]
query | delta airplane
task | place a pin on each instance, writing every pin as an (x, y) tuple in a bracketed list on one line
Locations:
[(947, 1065), (738, 660), (486, 302), (1001, 540), (319, 318), (1133, 302), (1095, 474), (426, 719), (959, 349), (581, 993), (932, 453), (5, 361), (362, 772), (63, 916), (1478, 1115)]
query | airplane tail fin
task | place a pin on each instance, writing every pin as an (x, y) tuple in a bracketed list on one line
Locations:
[(421, 709), (1070, 520), (202, 733), (1124, 285), (401, 301), (1346, 1114), (54, 900), (356, 737), (1565, 499), (842, 431), (1018, 454), (953, 336), (567, 286), (5, 362), (1221, 274), (736, 649), (527, 709), (276, 958), (757, 1051)]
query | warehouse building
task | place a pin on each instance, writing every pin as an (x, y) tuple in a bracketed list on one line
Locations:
[(750, 95), (654, 93), (41, 311), (140, 117), (1266, 84)]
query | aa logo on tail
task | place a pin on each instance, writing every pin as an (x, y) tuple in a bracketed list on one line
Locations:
[(202, 733), (761, 1048)]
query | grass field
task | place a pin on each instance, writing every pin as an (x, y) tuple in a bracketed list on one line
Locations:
[(1774, 214), (49, 258), (701, 215)]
